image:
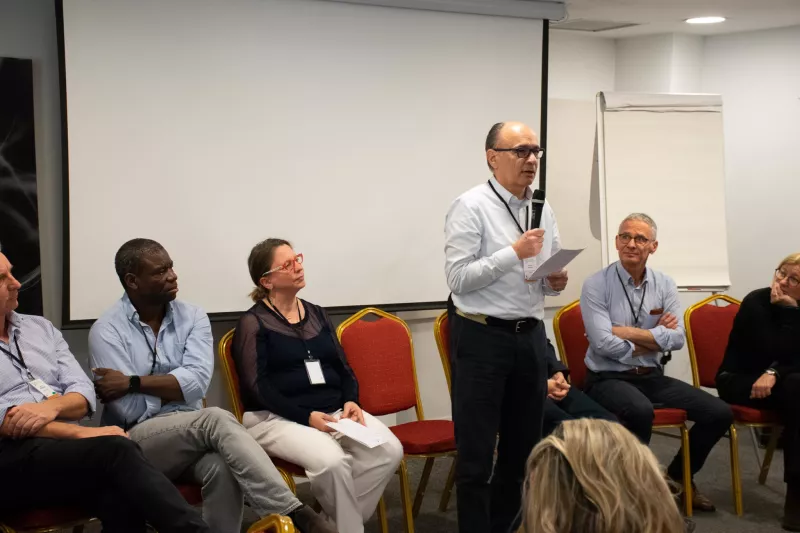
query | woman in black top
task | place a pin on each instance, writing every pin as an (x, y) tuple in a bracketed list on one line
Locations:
[(762, 366), (294, 379)]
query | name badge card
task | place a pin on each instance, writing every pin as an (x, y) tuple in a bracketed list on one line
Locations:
[(314, 369), (42, 387)]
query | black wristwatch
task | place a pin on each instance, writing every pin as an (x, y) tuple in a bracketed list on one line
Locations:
[(135, 384)]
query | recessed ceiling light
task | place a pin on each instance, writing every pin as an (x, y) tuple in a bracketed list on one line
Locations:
[(705, 20)]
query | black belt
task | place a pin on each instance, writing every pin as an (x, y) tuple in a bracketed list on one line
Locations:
[(519, 325)]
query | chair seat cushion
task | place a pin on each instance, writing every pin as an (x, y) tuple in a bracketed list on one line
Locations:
[(749, 415), (191, 492), (45, 518), (426, 436), (286, 466), (669, 417)]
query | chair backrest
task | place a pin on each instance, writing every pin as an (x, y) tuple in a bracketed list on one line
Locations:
[(572, 342), (381, 354), (230, 374), (441, 332), (708, 326)]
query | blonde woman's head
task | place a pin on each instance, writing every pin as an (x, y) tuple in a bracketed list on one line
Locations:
[(787, 279), (594, 476)]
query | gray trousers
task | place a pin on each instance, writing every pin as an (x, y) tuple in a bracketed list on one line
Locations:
[(211, 448)]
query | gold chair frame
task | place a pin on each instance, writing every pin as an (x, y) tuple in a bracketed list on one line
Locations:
[(687, 473), (736, 474), (409, 510), (273, 524)]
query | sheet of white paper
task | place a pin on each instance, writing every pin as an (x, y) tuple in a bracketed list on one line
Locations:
[(555, 263), (357, 432)]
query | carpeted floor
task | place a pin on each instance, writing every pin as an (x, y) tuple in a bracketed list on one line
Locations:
[(763, 504)]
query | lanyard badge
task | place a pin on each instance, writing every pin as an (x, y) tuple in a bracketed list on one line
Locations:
[(36, 383)]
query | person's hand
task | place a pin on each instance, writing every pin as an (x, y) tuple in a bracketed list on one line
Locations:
[(318, 419), (668, 320), (353, 412), (557, 387), (529, 244), (558, 280), (105, 431), (763, 386), (111, 385), (778, 297), (27, 419)]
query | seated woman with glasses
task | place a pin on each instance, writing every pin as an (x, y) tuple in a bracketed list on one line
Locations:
[(761, 368), (594, 476), (294, 378)]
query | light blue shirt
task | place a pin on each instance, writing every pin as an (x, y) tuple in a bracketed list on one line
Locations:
[(604, 305), (47, 356), (483, 270), (184, 347)]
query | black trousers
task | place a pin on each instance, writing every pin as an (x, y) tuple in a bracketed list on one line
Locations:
[(785, 398), (576, 404), (106, 476), (499, 386), (631, 398)]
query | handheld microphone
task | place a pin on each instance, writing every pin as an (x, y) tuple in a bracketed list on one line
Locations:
[(538, 207)]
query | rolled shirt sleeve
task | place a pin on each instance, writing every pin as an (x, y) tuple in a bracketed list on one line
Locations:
[(194, 374), (597, 321), (4, 407), (671, 339), (465, 270)]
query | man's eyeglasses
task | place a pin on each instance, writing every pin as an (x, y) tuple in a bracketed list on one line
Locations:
[(523, 152), (640, 240), (298, 259), (781, 275)]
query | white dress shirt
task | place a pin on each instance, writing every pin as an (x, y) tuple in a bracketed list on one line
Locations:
[(483, 270)]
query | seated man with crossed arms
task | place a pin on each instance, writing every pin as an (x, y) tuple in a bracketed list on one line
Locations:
[(46, 461), (154, 360), (633, 318)]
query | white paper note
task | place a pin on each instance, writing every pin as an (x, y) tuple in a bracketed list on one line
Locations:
[(554, 264), (357, 432)]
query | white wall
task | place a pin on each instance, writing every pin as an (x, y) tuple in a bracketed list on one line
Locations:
[(644, 64), (581, 65), (687, 63), (758, 76)]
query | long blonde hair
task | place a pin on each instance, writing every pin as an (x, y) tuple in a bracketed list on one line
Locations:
[(594, 476)]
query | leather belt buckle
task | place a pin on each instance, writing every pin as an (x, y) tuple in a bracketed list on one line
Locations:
[(518, 325)]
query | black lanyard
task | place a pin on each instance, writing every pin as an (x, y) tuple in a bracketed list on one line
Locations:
[(20, 360), (527, 213), (630, 304), (151, 348), (297, 328)]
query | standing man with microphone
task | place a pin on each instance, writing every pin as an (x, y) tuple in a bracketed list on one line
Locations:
[(498, 342)]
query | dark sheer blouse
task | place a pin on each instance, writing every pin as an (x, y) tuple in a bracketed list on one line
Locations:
[(764, 335), (270, 357)]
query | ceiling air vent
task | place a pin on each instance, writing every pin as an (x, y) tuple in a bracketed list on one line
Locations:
[(590, 25)]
